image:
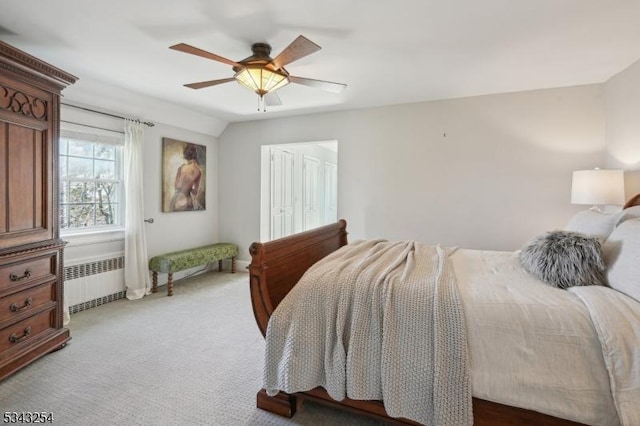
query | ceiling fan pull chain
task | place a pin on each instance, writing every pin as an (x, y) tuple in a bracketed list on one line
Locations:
[(262, 103)]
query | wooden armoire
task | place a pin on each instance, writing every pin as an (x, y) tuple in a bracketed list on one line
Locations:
[(31, 251)]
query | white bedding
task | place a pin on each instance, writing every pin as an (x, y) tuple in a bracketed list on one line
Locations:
[(615, 317), (573, 354), (536, 347)]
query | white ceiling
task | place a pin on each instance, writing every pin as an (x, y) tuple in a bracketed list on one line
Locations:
[(386, 52)]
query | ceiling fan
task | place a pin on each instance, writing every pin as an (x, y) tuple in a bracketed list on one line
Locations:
[(262, 74)]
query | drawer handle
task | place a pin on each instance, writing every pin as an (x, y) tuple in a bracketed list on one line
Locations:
[(15, 308), (14, 338), (14, 277)]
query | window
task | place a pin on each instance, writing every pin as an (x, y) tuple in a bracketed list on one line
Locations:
[(91, 194)]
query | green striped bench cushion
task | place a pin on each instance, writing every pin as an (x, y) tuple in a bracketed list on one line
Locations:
[(190, 258)]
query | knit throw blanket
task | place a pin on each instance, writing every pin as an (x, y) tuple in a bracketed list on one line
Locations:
[(376, 320)]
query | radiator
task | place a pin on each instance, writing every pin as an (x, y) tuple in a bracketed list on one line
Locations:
[(93, 283)]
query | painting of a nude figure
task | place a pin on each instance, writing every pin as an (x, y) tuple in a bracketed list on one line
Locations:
[(183, 176)]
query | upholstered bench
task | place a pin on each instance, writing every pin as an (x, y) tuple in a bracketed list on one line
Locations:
[(190, 258)]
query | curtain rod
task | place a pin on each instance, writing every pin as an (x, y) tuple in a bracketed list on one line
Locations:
[(148, 123), (92, 127)]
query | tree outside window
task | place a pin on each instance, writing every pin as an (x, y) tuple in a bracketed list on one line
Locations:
[(90, 184)]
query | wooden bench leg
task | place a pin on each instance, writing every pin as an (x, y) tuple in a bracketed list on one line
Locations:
[(233, 264), (170, 284), (154, 288), (220, 265)]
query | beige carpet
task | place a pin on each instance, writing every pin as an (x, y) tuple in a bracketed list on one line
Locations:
[(191, 359)]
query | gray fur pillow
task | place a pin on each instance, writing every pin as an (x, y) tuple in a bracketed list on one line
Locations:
[(565, 259)]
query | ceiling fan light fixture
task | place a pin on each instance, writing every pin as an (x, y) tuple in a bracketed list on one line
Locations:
[(260, 73), (260, 79)]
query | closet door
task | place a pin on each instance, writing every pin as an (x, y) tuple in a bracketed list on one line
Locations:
[(282, 196), (330, 192), (311, 190)]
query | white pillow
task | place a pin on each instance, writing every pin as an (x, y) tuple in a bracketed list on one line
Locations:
[(621, 252), (594, 223), (628, 213), (600, 224)]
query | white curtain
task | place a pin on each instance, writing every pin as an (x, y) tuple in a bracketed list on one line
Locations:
[(136, 272)]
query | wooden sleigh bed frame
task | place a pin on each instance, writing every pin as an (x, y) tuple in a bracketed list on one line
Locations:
[(276, 267)]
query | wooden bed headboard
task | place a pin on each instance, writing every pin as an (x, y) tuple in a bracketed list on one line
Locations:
[(633, 201)]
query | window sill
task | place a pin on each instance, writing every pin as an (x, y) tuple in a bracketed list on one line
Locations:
[(77, 238)]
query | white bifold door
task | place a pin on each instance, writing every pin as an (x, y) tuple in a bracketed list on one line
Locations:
[(311, 188), (330, 192), (282, 193), (302, 189)]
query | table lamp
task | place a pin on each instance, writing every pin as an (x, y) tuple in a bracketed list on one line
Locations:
[(598, 187)]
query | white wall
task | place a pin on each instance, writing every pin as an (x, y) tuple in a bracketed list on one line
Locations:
[(483, 172), (622, 106), (178, 230), (170, 231), (121, 101), (505, 163)]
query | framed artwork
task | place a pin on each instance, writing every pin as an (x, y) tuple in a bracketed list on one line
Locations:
[(184, 171)]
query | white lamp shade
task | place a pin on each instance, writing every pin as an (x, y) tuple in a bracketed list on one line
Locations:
[(598, 187)]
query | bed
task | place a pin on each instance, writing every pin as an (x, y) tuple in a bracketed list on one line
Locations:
[(277, 267)]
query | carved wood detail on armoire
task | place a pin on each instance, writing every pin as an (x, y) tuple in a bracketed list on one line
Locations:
[(31, 251)]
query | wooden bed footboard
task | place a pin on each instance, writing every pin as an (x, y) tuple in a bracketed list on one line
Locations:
[(276, 267)]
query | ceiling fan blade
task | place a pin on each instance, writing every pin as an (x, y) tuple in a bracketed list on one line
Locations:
[(319, 84), (299, 48), (272, 99), (209, 83), (182, 47)]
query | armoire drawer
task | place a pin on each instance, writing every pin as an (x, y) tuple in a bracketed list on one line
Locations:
[(27, 271), (21, 303), (21, 333)]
